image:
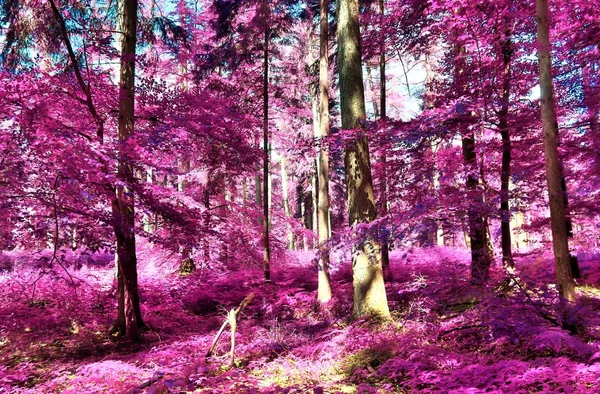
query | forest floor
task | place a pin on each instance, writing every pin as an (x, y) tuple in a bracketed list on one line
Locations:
[(446, 335)]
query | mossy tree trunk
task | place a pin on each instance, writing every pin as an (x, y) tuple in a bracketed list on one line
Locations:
[(369, 288)]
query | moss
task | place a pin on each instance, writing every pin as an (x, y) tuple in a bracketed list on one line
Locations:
[(368, 358)]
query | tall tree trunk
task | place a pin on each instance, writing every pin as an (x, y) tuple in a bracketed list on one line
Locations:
[(312, 221), (369, 288), (266, 148), (129, 318), (385, 255), (428, 104), (314, 198), (324, 285), (480, 254), (507, 258), (554, 175)]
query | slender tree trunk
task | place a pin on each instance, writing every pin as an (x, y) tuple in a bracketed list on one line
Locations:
[(324, 285), (554, 175), (385, 255), (206, 220), (266, 148), (286, 203), (312, 220), (372, 89), (507, 258), (257, 192), (428, 104), (313, 199), (303, 213), (187, 264), (369, 288), (244, 191), (129, 318)]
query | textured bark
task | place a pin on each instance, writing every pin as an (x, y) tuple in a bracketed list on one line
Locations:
[(507, 258), (369, 288), (554, 175), (266, 149), (324, 284), (129, 318)]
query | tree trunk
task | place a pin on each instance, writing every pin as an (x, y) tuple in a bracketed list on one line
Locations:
[(372, 89), (324, 285), (266, 149), (480, 254), (369, 288), (286, 203), (480, 258), (129, 318), (385, 255), (554, 175), (428, 104), (313, 199), (507, 258)]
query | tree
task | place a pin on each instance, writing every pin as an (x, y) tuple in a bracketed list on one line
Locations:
[(385, 256), (507, 53), (324, 286), (554, 176), (266, 147), (129, 318), (367, 273)]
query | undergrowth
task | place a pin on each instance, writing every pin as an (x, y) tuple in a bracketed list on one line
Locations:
[(446, 335)]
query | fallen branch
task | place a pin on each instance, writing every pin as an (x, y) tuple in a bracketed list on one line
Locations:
[(232, 317), (543, 314), (442, 334)]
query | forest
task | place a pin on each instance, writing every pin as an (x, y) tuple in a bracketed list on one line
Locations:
[(299, 196)]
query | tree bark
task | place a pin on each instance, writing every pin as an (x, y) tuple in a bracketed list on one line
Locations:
[(369, 288), (507, 258), (266, 148), (554, 175), (385, 255), (428, 104), (480, 257), (324, 284), (129, 318), (480, 254)]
